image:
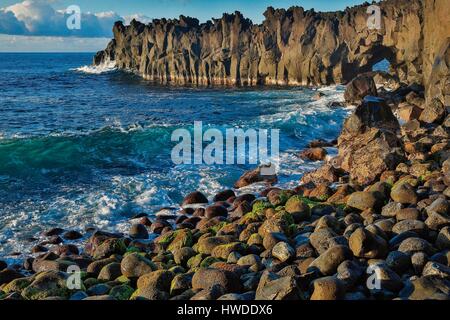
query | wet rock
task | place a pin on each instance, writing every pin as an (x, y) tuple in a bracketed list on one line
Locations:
[(53, 232), (224, 195), (134, 265), (72, 235), (254, 176), (138, 231), (313, 154), (195, 197), (216, 211)]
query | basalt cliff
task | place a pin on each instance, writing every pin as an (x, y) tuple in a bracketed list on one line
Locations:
[(290, 47)]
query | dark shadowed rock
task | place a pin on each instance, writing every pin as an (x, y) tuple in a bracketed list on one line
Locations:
[(359, 88)]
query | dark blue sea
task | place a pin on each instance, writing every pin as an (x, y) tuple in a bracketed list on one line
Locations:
[(83, 146)]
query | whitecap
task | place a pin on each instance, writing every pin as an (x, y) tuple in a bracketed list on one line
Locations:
[(107, 66)]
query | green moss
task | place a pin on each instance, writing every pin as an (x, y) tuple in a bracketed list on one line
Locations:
[(310, 203), (195, 261), (122, 292), (133, 249), (259, 207), (122, 279), (217, 227), (181, 238), (208, 261), (91, 282), (166, 239), (17, 285)]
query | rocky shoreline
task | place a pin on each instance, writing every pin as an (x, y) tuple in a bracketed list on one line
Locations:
[(372, 223)]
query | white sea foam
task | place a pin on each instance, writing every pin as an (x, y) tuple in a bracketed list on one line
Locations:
[(105, 67)]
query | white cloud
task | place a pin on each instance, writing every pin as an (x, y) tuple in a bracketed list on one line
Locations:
[(39, 18), (139, 17)]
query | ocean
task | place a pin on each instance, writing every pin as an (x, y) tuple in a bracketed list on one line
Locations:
[(90, 147)]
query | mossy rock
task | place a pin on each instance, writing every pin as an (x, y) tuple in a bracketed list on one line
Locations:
[(223, 251), (48, 284), (298, 208), (284, 216), (255, 239), (260, 206), (208, 261), (123, 280), (251, 217), (215, 229), (89, 282), (110, 247), (17, 285), (195, 261), (181, 238), (122, 292)]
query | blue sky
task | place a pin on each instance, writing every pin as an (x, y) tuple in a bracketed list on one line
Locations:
[(39, 25)]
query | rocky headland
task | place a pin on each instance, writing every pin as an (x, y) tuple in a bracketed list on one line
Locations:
[(371, 223)]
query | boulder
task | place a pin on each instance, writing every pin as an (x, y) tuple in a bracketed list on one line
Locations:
[(327, 288), (195, 197), (328, 262), (207, 278), (254, 176), (274, 287), (134, 265), (360, 87), (365, 244)]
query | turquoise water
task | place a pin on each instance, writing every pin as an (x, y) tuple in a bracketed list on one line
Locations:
[(86, 147)]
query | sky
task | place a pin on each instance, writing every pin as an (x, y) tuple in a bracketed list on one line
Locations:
[(42, 25)]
